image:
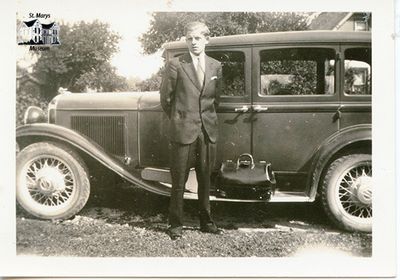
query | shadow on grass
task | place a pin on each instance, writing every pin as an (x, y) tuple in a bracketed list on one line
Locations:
[(141, 208)]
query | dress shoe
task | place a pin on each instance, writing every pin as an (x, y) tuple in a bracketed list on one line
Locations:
[(174, 232), (210, 228)]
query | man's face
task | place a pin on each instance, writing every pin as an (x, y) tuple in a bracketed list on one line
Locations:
[(196, 41)]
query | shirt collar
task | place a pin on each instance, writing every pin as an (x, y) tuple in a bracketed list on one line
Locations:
[(195, 57)]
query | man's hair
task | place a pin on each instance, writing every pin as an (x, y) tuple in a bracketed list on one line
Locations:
[(197, 25)]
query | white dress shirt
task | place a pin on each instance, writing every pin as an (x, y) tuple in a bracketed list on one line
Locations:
[(199, 58)]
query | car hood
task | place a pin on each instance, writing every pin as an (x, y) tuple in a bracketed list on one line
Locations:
[(107, 101)]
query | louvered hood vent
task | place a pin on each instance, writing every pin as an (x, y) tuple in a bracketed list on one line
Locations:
[(107, 131)]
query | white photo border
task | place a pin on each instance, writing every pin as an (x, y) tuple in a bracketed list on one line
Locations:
[(383, 260)]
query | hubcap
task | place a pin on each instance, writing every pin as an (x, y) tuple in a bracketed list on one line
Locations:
[(355, 190), (49, 181), (364, 189)]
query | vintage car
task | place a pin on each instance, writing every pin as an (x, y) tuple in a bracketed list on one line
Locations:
[(298, 100)]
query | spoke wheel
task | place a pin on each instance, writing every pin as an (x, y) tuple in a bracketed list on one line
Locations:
[(52, 181), (347, 192)]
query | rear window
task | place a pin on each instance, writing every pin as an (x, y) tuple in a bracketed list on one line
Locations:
[(357, 71)]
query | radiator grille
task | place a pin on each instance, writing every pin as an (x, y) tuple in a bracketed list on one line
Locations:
[(107, 131)]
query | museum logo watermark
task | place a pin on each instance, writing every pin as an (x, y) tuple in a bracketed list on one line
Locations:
[(37, 34)]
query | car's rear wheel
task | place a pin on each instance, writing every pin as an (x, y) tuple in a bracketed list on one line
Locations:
[(52, 181), (347, 192)]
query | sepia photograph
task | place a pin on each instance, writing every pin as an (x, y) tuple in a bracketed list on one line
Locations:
[(151, 135)]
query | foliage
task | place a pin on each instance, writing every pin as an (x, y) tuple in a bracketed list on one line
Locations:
[(167, 26), (103, 78), (25, 98), (301, 76), (82, 60), (132, 83), (27, 94), (153, 83)]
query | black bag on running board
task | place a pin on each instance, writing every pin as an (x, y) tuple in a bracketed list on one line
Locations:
[(245, 179)]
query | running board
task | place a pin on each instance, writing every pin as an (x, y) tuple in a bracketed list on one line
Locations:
[(276, 197), (164, 177), (290, 197)]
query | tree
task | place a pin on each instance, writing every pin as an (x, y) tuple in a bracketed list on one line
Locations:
[(103, 78), (133, 83), (166, 26), (82, 60), (153, 83), (27, 94)]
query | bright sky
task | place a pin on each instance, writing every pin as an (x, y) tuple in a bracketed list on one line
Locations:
[(129, 18)]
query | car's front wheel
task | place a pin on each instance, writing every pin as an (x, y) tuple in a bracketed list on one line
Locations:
[(347, 192), (52, 181)]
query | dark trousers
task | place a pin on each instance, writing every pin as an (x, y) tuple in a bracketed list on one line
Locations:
[(201, 155)]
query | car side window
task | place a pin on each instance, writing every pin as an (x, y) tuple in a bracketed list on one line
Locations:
[(297, 71), (233, 72), (357, 71)]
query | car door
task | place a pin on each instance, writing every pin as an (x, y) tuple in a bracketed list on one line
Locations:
[(234, 109), (294, 107)]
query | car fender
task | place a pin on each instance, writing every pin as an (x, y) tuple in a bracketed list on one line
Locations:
[(334, 144), (80, 142)]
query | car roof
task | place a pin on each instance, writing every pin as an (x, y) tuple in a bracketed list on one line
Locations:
[(282, 37)]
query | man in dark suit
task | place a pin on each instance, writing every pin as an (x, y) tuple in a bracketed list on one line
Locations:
[(189, 96)]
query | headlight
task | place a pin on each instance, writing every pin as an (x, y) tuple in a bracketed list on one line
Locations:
[(34, 115)]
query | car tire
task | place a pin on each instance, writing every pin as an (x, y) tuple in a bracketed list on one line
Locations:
[(52, 181), (347, 192)]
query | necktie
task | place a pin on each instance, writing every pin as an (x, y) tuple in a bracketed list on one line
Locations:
[(200, 72)]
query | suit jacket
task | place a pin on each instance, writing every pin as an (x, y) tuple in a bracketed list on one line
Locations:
[(188, 104)]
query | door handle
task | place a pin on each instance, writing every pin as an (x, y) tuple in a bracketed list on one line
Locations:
[(242, 109), (259, 108), (338, 114)]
